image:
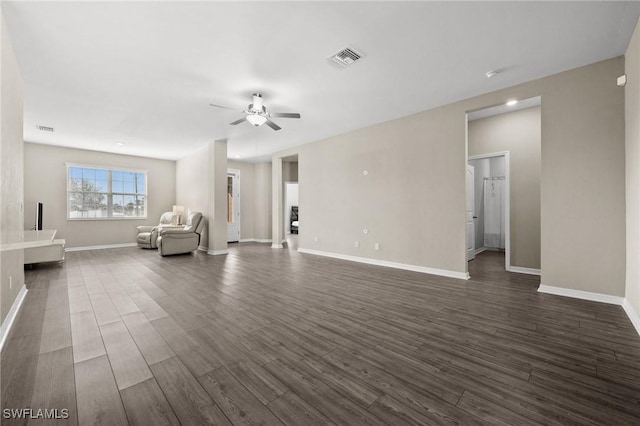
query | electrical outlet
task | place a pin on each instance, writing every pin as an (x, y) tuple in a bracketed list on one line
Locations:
[(316, 239), (376, 246), (357, 244)]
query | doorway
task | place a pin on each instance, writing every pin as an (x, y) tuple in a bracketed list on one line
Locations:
[(233, 205), (471, 249), (491, 209), (291, 218), (504, 144)]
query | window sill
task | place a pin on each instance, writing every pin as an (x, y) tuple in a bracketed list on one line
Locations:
[(107, 219)]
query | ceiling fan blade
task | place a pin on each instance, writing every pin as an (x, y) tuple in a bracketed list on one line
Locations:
[(285, 114), (239, 121), (273, 125), (220, 106)]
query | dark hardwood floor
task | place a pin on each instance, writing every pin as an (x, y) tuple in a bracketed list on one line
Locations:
[(272, 337)]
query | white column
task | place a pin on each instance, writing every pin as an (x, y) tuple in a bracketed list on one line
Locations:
[(218, 197)]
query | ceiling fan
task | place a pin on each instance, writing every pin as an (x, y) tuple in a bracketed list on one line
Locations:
[(257, 114)]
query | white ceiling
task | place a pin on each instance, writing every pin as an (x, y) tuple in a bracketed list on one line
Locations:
[(144, 73)]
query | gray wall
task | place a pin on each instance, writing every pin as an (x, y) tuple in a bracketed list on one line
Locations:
[(632, 111), (11, 161), (45, 181), (519, 133), (413, 199)]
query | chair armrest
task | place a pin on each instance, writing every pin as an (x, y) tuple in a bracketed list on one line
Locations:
[(145, 228), (166, 238), (176, 231)]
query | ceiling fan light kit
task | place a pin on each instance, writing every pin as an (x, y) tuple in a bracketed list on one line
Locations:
[(257, 114), (256, 119)]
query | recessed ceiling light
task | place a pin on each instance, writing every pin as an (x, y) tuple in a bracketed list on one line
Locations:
[(512, 102), (491, 74), (120, 143), (237, 156)]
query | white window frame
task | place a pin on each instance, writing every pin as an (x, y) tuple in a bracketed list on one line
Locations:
[(109, 192)]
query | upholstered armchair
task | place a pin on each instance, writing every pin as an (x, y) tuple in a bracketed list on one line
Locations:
[(147, 235), (181, 240)]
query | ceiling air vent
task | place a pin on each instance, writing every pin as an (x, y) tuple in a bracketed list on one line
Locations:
[(345, 57), (44, 128)]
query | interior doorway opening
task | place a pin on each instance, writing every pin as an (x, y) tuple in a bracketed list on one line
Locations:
[(291, 203), (492, 205), (291, 208), (504, 152), (233, 205), (284, 170)]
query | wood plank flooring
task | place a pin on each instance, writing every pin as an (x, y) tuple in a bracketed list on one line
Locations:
[(275, 337)]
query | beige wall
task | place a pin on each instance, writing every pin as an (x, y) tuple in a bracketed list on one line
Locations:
[(413, 199), (632, 112), (290, 171), (192, 189), (45, 181), (583, 229), (519, 133), (11, 160)]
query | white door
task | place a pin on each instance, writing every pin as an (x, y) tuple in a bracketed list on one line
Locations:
[(233, 205), (471, 233)]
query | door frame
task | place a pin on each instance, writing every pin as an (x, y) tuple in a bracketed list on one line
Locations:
[(235, 173), (507, 203), (473, 234)]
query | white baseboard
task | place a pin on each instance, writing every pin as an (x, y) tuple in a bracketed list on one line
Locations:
[(480, 250), (632, 314), (407, 267), (255, 240), (521, 270), (278, 246), (11, 316), (217, 252), (579, 294), (203, 248), (596, 297), (101, 247)]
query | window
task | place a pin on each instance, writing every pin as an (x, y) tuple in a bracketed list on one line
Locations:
[(105, 193)]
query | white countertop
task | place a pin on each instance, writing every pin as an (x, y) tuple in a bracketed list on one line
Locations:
[(28, 239)]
